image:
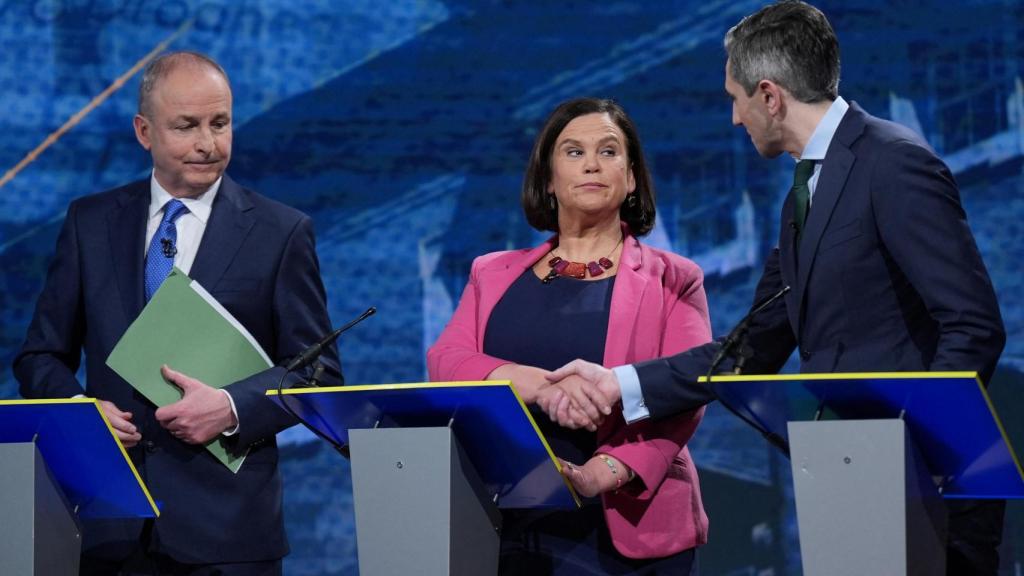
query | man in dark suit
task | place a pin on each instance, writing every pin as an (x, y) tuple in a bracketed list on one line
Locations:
[(874, 243), (256, 257)]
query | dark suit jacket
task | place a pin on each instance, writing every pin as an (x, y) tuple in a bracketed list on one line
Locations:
[(257, 257), (886, 276)]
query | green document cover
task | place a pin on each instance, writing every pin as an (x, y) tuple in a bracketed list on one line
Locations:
[(184, 327)]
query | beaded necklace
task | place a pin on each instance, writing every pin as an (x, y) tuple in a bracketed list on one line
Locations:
[(578, 270)]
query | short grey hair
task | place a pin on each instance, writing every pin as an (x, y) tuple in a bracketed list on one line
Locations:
[(163, 65), (790, 43)]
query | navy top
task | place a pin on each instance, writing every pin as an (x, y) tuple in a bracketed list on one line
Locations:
[(548, 326)]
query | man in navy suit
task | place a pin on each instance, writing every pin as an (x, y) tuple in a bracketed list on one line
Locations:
[(256, 257), (874, 243)]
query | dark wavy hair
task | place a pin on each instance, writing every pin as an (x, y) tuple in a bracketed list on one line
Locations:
[(539, 214)]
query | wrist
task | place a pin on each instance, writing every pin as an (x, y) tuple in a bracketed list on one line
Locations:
[(620, 473)]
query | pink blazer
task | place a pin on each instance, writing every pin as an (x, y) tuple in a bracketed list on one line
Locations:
[(658, 308)]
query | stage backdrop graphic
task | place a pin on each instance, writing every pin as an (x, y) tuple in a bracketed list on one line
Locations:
[(404, 128)]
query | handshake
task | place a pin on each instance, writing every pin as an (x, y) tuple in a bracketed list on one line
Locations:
[(579, 395)]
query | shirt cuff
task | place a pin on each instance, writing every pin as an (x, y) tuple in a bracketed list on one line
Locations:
[(234, 411), (633, 407)]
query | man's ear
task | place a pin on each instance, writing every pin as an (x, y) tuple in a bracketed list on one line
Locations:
[(771, 95), (142, 131)]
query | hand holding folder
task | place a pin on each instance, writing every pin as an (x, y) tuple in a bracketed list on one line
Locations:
[(185, 328)]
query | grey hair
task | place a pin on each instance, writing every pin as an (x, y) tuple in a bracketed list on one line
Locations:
[(163, 65), (790, 43)]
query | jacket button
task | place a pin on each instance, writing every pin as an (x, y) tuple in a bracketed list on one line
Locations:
[(805, 355), (150, 446)]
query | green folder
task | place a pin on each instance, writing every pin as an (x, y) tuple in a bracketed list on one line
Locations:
[(184, 327)]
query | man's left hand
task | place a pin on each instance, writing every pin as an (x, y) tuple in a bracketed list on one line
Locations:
[(202, 413)]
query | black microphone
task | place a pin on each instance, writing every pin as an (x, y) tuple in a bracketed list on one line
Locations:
[(738, 335), (740, 330), (313, 352), (305, 358), (168, 248)]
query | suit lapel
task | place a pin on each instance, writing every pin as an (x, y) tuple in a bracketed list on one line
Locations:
[(127, 248), (835, 170), (229, 224), (627, 296)]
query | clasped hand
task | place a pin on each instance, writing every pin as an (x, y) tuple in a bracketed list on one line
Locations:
[(581, 395), (202, 413)]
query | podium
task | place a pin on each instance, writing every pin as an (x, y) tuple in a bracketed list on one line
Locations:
[(873, 457), (60, 462), (431, 465)]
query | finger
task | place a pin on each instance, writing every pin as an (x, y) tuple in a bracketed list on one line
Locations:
[(166, 415), (180, 380), (595, 397), (109, 408), (563, 417), (549, 402), (581, 401), (565, 371), (119, 421), (582, 421), (129, 440)]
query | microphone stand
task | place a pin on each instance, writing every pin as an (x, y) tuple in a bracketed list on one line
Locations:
[(304, 359), (737, 340)]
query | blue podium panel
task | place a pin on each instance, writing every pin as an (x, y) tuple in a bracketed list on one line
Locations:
[(949, 415), (492, 425), (82, 453)]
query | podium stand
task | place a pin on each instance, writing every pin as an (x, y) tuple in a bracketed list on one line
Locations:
[(431, 465), (60, 462), (874, 455)]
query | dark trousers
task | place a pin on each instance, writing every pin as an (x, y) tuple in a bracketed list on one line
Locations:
[(148, 564), (129, 548), (975, 532)]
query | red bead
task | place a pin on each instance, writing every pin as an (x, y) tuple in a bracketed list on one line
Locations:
[(605, 263), (560, 266), (594, 269), (554, 261), (576, 270)]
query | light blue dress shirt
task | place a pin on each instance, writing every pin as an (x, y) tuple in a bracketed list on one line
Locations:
[(633, 407)]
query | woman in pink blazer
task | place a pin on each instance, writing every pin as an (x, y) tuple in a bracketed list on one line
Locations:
[(591, 290)]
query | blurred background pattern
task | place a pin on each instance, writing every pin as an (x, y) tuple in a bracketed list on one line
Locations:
[(404, 127)]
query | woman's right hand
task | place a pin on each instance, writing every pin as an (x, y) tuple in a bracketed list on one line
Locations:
[(527, 380)]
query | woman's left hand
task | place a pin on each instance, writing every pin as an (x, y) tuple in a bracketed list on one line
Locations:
[(584, 481)]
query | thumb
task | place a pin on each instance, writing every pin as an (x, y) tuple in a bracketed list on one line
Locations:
[(178, 379), (565, 371)]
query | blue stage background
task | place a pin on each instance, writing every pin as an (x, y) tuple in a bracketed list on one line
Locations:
[(404, 127)]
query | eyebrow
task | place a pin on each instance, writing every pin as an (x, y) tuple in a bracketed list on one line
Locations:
[(196, 120), (601, 141)]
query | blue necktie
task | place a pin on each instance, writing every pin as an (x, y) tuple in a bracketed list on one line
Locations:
[(163, 247)]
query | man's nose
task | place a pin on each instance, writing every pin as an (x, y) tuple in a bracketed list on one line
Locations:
[(204, 140)]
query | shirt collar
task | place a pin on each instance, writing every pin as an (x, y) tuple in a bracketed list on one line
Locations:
[(818, 144), (200, 206)]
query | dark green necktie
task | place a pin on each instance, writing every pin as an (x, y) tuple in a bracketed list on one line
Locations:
[(801, 192)]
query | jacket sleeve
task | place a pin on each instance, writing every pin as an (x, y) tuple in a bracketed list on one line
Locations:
[(650, 446), (46, 365), (456, 355), (300, 318), (924, 229), (670, 384)]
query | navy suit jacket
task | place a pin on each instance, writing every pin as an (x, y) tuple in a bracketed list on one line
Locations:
[(257, 257), (886, 275)]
